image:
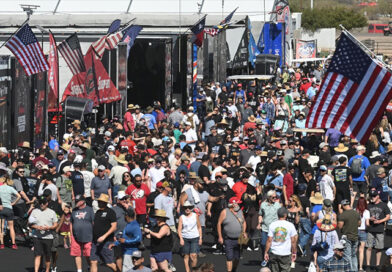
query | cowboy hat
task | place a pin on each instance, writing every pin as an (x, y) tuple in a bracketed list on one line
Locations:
[(375, 154), (160, 213), (26, 144), (223, 122), (131, 107), (75, 122), (317, 198), (103, 198), (252, 119), (325, 224), (341, 148), (121, 159)]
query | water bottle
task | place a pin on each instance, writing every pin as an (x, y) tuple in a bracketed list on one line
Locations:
[(264, 263)]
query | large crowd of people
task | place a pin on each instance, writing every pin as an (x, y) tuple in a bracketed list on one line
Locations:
[(237, 166)]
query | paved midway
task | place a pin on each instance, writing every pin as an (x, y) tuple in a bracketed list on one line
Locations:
[(21, 260)]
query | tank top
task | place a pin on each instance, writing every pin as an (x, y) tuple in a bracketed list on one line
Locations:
[(231, 227), (189, 226), (164, 244), (291, 217)]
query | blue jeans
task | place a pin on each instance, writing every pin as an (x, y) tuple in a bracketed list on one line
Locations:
[(115, 190), (264, 238), (305, 227), (350, 254)]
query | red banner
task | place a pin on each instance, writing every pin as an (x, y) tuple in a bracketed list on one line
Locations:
[(53, 74), (83, 84)]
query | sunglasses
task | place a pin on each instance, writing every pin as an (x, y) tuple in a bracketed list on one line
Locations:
[(274, 197), (21, 172), (127, 176)]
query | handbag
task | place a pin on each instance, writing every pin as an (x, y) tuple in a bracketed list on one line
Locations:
[(243, 240)]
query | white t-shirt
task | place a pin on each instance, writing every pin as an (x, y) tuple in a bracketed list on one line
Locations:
[(156, 175), (281, 232), (116, 173), (87, 177), (191, 135), (326, 187), (366, 215)]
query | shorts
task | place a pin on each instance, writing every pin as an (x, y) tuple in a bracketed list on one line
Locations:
[(56, 242), (102, 252), (7, 214), (360, 187), (191, 246), (77, 248), (118, 252), (162, 256), (362, 235), (375, 240), (42, 247), (232, 249), (321, 262), (342, 193)]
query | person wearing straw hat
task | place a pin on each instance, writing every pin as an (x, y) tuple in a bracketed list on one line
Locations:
[(190, 233), (129, 122), (324, 240), (117, 172), (105, 225), (161, 242)]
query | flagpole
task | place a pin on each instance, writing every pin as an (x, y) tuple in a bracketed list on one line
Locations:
[(26, 21), (127, 23), (364, 47)]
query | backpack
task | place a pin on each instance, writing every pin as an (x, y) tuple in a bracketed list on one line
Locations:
[(356, 166), (190, 120)]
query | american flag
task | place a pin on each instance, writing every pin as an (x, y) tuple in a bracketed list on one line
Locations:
[(72, 54), (99, 46), (354, 93), (222, 25), (113, 39), (25, 46)]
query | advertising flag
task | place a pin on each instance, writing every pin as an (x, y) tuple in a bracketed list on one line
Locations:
[(53, 74)]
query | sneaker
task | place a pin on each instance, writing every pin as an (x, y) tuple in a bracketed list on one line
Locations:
[(256, 248), (54, 269), (172, 267), (214, 246), (301, 249), (14, 246), (249, 249), (201, 255), (2, 246)]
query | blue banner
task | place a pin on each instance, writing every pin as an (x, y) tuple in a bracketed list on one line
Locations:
[(252, 47), (194, 73), (271, 40)]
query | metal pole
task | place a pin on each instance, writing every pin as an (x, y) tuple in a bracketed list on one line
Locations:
[(179, 36), (311, 4), (264, 11)]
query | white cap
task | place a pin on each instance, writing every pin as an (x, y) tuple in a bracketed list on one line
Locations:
[(188, 124), (236, 139), (111, 148), (389, 251), (67, 169), (78, 159), (338, 245), (108, 134), (101, 167), (3, 150), (121, 194)]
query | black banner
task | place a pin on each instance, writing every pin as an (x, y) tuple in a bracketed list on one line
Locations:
[(5, 71)]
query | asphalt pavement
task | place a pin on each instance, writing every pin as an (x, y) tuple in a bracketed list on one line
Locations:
[(21, 260)]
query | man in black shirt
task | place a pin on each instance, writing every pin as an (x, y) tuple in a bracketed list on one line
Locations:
[(303, 165), (312, 186), (379, 214), (343, 181), (103, 233), (204, 172), (77, 180)]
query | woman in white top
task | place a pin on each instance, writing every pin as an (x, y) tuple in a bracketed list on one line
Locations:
[(362, 233), (189, 231)]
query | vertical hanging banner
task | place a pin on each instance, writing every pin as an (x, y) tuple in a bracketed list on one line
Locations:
[(82, 84), (306, 49), (5, 84), (272, 40), (122, 78), (194, 73), (53, 74), (40, 109)]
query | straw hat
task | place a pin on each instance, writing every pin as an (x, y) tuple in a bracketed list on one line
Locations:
[(131, 107), (326, 224), (103, 198), (26, 144), (223, 122), (252, 119), (76, 122), (389, 149), (65, 146), (193, 175), (160, 213), (317, 198), (341, 148), (121, 159)]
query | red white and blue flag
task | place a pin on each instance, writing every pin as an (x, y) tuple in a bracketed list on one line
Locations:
[(72, 53), (198, 32), (354, 93), (130, 36), (221, 26), (25, 46)]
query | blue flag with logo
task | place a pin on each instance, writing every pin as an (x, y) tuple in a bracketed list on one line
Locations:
[(271, 40), (252, 47), (130, 36)]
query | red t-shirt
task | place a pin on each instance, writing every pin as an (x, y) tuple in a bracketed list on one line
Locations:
[(289, 182), (239, 188), (139, 195), (130, 144), (128, 118)]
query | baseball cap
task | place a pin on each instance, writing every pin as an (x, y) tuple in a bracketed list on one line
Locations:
[(389, 251), (323, 168), (159, 184), (345, 202), (373, 193), (327, 202), (236, 139), (80, 198), (235, 200), (121, 195), (338, 245), (108, 134), (137, 254), (101, 168), (67, 169), (111, 148)]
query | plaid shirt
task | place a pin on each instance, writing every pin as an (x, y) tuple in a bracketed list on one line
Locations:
[(336, 265)]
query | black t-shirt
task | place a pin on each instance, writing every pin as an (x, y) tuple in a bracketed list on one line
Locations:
[(312, 187), (341, 175), (102, 223), (150, 200), (204, 172), (305, 204), (211, 142), (378, 211), (77, 183), (303, 166), (56, 207)]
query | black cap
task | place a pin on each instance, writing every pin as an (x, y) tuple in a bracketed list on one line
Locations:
[(42, 200), (80, 198), (373, 193), (47, 193)]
